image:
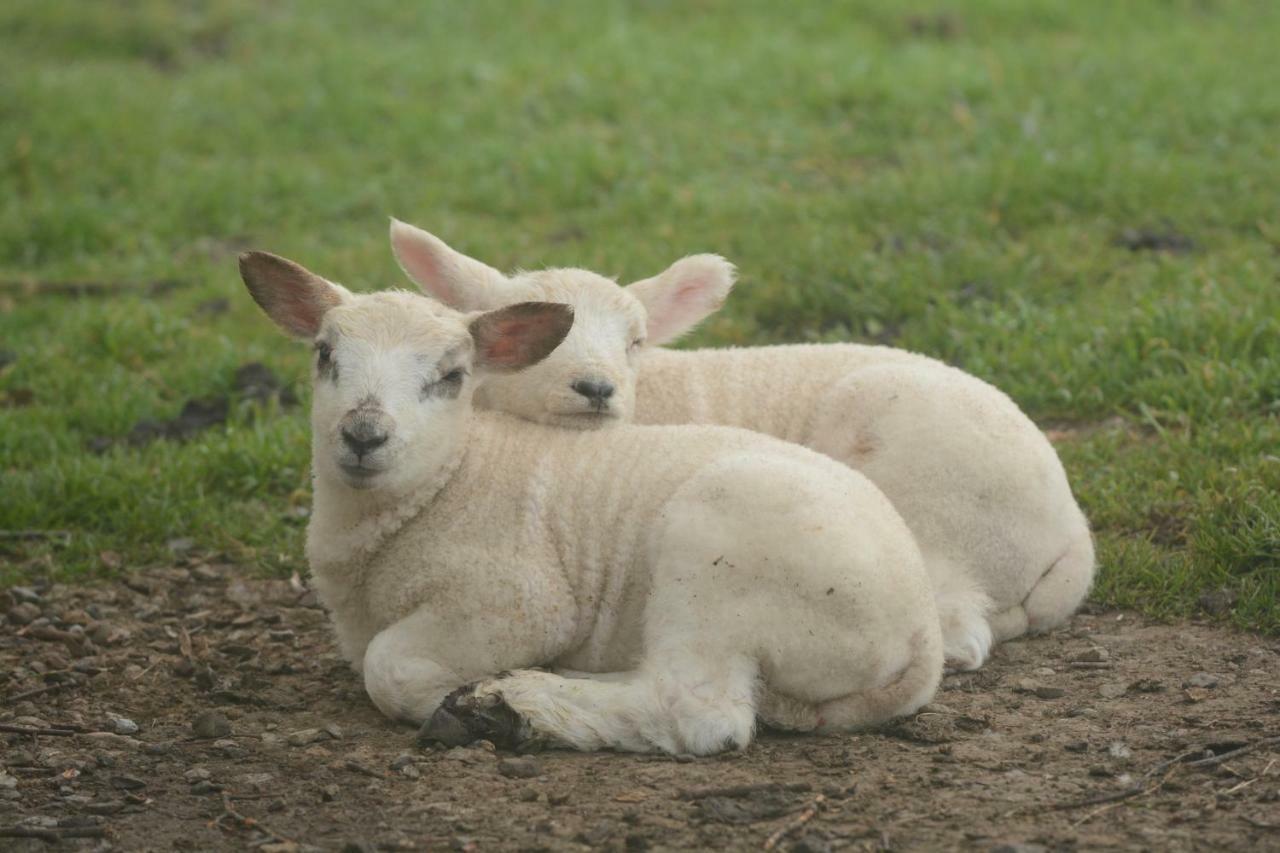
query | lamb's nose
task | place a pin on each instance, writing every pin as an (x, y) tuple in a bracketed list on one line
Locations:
[(596, 390), (363, 437)]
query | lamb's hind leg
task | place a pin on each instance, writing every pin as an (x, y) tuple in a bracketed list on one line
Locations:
[(1055, 596), (679, 706)]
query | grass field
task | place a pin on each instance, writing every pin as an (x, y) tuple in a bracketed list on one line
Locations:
[(1075, 200)]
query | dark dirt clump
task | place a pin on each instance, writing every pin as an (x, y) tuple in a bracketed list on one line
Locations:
[(191, 708), (1163, 239)]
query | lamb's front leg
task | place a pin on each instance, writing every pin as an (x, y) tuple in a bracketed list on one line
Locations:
[(412, 665), (693, 706)]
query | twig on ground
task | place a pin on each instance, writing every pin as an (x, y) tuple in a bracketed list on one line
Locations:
[(40, 691), (1091, 815), (1246, 783), (742, 790), (247, 822), (1115, 797), (357, 767), (1235, 753), (55, 835), (1177, 759), (37, 730), (810, 811)]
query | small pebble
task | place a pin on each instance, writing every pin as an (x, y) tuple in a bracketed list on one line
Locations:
[(1201, 679), (197, 774), (302, 737), (527, 795), (24, 594), (1046, 692), (211, 724), (128, 783), (519, 768), (123, 726), (23, 614)]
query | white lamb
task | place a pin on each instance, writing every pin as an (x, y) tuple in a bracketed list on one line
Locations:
[(1005, 545), (691, 579)]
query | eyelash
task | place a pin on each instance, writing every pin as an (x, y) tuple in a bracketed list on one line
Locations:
[(324, 360), (447, 386)]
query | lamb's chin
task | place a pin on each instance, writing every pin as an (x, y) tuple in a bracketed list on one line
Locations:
[(581, 420)]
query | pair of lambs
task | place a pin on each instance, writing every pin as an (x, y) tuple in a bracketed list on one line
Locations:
[(683, 581)]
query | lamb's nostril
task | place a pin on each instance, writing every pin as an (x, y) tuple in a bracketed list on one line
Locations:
[(363, 439), (595, 390)]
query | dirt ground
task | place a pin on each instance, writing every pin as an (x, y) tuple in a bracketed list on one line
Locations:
[(189, 708)]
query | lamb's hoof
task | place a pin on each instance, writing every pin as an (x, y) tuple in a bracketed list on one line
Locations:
[(444, 728), (465, 717)]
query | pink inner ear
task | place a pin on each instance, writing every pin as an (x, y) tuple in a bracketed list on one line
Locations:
[(690, 292), (508, 347), (427, 270)]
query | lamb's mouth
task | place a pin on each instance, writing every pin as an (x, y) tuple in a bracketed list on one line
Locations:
[(359, 476)]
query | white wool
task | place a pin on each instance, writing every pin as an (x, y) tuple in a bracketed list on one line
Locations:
[(1006, 546), (689, 579)]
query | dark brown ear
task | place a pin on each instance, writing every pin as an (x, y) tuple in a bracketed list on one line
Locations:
[(519, 335), (293, 296)]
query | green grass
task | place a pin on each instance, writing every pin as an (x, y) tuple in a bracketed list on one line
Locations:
[(949, 178)]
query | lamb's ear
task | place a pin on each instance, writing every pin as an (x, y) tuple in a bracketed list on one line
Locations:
[(444, 274), (519, 335), (683, 295), (292, 295)]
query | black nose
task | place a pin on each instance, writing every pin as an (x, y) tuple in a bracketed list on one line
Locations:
[(363, 437), (596, 390)]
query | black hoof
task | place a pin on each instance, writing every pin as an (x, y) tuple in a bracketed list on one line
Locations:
[(443, 727), (463, 718)]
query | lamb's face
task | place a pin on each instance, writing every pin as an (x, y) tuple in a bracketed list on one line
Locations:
[(393, 384), (590, 379)]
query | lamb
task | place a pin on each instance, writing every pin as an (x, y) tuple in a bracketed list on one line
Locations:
[(683, 581), (1006, 546)]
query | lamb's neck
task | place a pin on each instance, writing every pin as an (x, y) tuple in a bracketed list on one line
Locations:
[(348, 525)]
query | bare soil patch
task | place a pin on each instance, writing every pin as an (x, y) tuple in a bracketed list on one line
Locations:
[(192, 708)]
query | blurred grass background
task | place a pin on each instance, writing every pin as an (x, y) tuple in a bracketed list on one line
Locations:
[(1074, 200)]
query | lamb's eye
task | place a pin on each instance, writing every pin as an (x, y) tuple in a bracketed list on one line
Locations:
[(325, 364), (447, 386), (635, 345)]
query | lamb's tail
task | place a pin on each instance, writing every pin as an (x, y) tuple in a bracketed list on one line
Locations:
[(908, 690)]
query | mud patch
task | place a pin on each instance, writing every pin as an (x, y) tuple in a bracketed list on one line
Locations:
[(193, 708), (1162, 239)]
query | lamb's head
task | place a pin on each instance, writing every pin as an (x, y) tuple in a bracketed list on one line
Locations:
[(590, 379), (393, 376)]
